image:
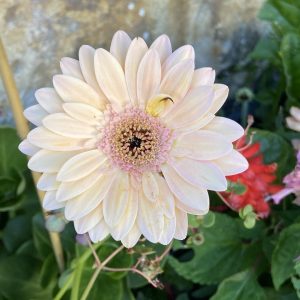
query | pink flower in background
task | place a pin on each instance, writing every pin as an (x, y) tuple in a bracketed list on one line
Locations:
[(292, 185)]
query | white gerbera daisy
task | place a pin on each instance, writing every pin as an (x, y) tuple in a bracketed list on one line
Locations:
[(128, 141)]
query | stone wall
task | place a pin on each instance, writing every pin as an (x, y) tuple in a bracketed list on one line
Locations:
[(37, 33)]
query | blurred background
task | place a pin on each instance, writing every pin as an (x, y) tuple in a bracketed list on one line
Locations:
[(37, 33)]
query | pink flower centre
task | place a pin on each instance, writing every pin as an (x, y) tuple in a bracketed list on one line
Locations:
[(135, 141)]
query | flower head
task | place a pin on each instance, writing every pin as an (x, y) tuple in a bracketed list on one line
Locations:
[(256, 182), (128, 141)]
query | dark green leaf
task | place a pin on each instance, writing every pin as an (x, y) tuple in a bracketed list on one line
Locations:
[(20, 280), (41, 236), (275, 149), (290, 52), (240, 286), (222, 254), (10, 157), (284, 254), (49, 272), (16, 232)]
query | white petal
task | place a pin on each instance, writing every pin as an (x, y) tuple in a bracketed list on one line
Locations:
[(180, 205), (27, 148), (150, 219), (49, 202), (84, 203), (201, 145), (228, 128), (177, 80), (70, 66), (232, 163), (201, 174), (111, 78), (89, 221), (196, 125), (44, 138), (99, 232), (182, 53), (166, 198), (69, 190), (168, 231), (83, 112), (150, 186), (128, 219), (203, 76), (49, 100), (136, 51), (192, 107), (86, 60), (49, 161), (221, 94), (163, 46), (64, 125), (115, 202), (132, 237), (35, 114), (119, 46), (193, 197), (148, 77), (181, 225), (47, 182), (295, 112), (81, 165), (72, 89), (293, 124)]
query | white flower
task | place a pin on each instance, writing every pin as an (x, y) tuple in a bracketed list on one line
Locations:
[(293, 122), (128, 141)]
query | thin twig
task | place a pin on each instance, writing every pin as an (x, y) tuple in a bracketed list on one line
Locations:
[(134, 270), (97, 271), (23, 129), (166, 252), (97, 260)]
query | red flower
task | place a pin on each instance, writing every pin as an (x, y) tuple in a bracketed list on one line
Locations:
[(255, 183)]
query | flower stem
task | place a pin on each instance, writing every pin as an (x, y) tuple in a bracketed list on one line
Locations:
[(23, 129), (97, 272)]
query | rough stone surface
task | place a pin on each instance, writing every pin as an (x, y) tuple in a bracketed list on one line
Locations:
[(37, 33)]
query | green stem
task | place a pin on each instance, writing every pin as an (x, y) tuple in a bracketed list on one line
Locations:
[(80, 261), (66, 286), (76, 282), (97, 271)]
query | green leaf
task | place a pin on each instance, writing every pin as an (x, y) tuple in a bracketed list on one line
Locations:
[(284, 14), (290, 52), (16, 232), (284, 254), (240, 286), (105, 288), (222, 254), (49, 272), (275, 149), (20, 280), (267, 49), (10, 157), (40, 236)]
